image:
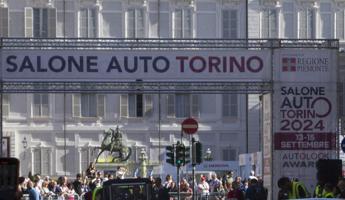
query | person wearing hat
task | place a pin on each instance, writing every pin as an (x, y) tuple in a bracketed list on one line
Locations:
[(203, 188)]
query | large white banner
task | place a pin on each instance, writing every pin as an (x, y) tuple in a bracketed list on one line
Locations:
[(119, 65), (305, 113)]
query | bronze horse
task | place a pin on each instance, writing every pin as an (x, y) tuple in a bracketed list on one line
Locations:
[(112, 142)]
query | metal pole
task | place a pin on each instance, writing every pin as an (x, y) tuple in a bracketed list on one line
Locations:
[(178, 182), (1, 129), (247, 124), (193, 167), (159, 125)]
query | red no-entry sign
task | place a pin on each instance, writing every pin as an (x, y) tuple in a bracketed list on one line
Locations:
[(190, 126)]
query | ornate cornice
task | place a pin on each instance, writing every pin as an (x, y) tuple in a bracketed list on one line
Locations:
[(40, 3), (230, 2)]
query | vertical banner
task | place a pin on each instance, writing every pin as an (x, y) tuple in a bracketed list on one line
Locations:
[(267, 141), (304, 112)]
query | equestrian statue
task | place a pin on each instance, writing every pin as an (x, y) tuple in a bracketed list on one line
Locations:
[(112, 142)]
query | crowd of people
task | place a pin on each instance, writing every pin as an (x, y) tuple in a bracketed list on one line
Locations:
[(83, 187)]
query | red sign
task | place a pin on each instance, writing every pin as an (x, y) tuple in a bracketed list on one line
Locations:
[(190, 126), (304, 141)]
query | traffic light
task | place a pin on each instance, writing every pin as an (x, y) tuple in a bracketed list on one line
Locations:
[(186, 155), (179, 154), (198, 152), (170, 157)]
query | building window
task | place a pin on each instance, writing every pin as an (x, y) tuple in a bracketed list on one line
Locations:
[(40, 22), (88, 105), (5, 105), (136, 105), (288, 20), (326, 20), (4, 22), (269, 24), (307, 24), (229, 24), (41, 161), (229, 154), (183, 23), (135, 23), (183, 105), (40, 106), (340, 25), (230, 105), (88, 23)]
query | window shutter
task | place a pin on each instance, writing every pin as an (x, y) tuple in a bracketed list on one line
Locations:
[(100, 105), (188, 30), (272, 23), (148, 105), (288, 25), (92, 23), (131, 23), (76, 105), (226, 23), (170, 105), (265, 24), (229, 20), (36, 105), (52, 22), (28, 22), (45, 104), (178, 23), (83, 23), (233, 24), (45, 161), (124, 105), (37, 161), (303, 24), (3, 22), (225, 105), (196, 105), (84, 159), (233, 105), (310, 23), (340, 24), (140, 23), (5, 105)]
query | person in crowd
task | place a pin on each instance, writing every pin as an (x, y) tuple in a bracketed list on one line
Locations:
[(235, 192), (61, 187), (21, 187), (78, 184), (203, 188), (45, 192), (291, 189), (252, 175), (341, 188), (159, 191), (91, 170), (216, 187), (185, 189), (33, 194), (255, 191), (328, 191), (319, 189), (98, 179)]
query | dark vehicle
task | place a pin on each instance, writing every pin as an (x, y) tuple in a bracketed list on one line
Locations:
[(127, 189), (9, 172)]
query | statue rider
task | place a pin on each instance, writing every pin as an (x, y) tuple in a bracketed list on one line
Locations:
[(116, 139)]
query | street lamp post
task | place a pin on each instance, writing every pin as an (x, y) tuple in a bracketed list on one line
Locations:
[(143, 164)]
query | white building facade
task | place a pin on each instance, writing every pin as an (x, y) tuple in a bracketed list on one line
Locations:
[(55, 134)]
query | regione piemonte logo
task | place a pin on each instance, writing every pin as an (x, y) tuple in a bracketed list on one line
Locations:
[(289, 64), (302, 63)]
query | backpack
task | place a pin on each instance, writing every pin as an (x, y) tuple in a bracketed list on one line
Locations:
[(260, 193)]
